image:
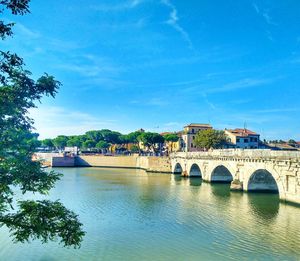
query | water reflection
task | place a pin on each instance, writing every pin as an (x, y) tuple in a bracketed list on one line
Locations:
[(265, 206), (195, 181), (134, 215), (220, 190)]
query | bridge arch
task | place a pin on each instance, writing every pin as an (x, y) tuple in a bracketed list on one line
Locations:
[(195, 171), (262, 180), (221, 174), (178, 168)]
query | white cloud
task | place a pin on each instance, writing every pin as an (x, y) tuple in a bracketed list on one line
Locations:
[(117, 7), (241, 84), (28, 33), (173, 21), (53, 121)]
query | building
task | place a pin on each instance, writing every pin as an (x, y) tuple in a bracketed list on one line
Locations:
[(243, 138), (173, 146), (282, 146), (189, 134)]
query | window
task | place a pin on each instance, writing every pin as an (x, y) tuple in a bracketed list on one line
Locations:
[(246, 140), (237, 140), (193, 131), (193, 137), (251, 140), (191, 145), (255, 139)]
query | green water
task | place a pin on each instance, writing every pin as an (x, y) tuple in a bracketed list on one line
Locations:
[(132, 215)]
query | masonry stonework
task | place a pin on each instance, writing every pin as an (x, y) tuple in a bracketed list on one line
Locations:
[(250, 170)]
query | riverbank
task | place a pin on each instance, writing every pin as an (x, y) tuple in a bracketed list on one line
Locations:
[(148, 163)]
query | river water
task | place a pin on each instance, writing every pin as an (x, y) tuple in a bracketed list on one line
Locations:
[(132, 215)]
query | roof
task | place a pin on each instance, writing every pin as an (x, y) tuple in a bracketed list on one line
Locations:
[(242, 132), (198, 125), (282, 146)]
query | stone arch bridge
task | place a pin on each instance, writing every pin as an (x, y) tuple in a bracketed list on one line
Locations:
[(247, 170)]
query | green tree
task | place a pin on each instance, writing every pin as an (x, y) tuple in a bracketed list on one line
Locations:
[(172, 137), (135, 149), (292, 142), (94, 135), (60, 141), (27, 219), (89, 144), (151, 140), (133, 137), (102, 145), (47, 143), (74, 141), (210, 138)]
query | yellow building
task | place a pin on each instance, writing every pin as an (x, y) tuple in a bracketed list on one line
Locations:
[(189, 133), (173, 146)]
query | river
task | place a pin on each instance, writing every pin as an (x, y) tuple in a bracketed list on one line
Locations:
[(133, 215)]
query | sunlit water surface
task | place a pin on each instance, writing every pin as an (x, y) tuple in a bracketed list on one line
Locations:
[(132, 215)]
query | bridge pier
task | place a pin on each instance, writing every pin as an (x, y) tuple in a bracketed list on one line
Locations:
[(247, 170), (236, 185)]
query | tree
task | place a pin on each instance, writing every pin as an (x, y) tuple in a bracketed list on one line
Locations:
[(94, 135), (102, 145), (292, 142), (47, 143), (133, 136), (27, 219), (135, 149), (151, 139), (89, 144), (172, 137), (74, 141), (60, 141), (210, 138)]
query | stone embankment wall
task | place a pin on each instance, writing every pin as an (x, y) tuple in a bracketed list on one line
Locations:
[(154, 164), (63, 161), (150, 164), (47, 158), (106, 161)]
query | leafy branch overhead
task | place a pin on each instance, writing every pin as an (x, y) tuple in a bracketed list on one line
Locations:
[(44, 220)]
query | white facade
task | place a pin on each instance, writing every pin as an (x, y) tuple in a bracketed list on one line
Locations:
[(243, 138)]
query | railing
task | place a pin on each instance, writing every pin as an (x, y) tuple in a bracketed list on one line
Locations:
[(239, 153)]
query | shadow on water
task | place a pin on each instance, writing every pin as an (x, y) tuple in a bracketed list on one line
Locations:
[(177, 177), (192, 181), (220, 189), (264, 205), (195, 181)]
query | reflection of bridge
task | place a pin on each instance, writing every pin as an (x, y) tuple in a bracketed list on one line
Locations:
[(248, 170)]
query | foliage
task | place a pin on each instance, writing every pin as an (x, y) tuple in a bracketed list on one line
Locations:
[(102, 145), (150, 139), (47, 143), (135, 149), (172, 137), (89, 144), (74, 141), (60, 141), (292, 142), (210, 138), (28, 219), (133, 136)]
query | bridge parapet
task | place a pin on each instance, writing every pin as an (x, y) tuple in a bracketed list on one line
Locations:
[(240, 154), (253, 169)]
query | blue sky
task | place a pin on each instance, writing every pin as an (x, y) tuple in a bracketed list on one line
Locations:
[(160, 64)]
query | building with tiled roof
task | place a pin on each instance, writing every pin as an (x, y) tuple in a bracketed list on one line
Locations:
[(189, 135), (243, 138)]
